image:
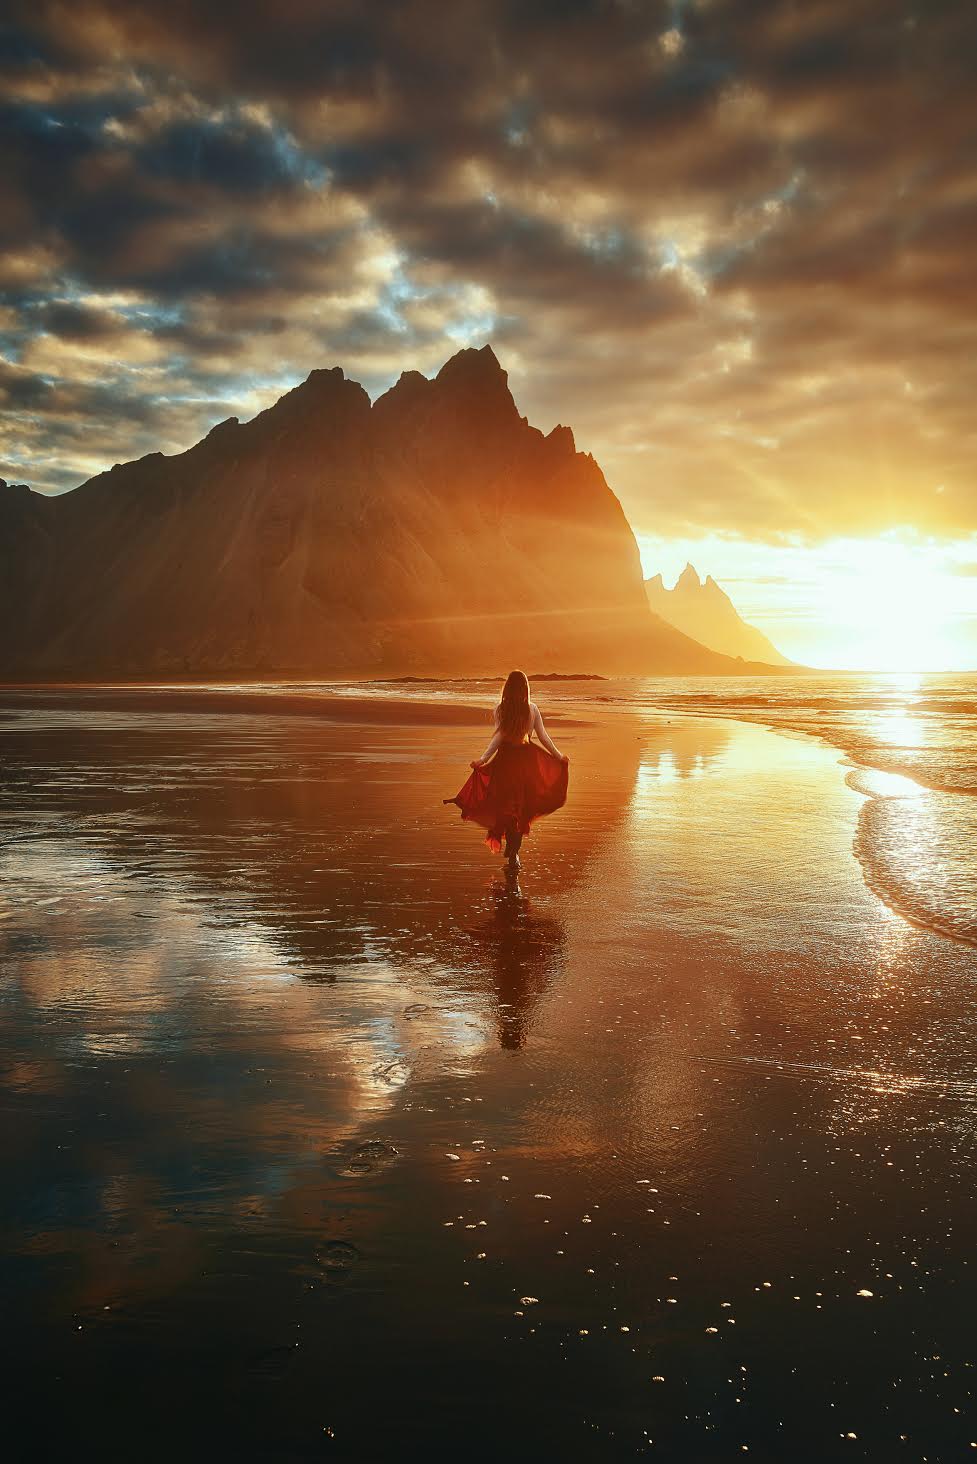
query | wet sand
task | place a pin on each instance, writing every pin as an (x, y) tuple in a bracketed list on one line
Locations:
[(321, 1141), (337, 706)]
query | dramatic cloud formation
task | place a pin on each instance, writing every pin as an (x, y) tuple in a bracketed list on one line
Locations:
[(730, 243)]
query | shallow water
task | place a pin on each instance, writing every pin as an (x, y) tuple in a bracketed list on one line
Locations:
[(913, 741), (915, 735), (322, 1141)]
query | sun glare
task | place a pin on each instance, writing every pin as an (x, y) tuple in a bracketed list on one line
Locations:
[(897, 602), (897, 608)]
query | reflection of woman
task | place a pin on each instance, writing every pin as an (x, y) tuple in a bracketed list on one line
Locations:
[(526, 952), (514, 781)]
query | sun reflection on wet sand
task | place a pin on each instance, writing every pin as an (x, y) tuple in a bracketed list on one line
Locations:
[(292, 1064), (915, 846)]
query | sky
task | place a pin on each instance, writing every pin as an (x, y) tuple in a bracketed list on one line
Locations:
[(729, 242)]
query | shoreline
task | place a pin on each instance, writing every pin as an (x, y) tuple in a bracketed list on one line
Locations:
[(930, 926), (857, 754), (323, 705), (329, 705), (931, 922)]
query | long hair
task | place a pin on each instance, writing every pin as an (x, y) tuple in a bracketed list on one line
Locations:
[(512, 715)]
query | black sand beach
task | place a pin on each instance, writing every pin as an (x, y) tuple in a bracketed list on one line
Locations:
[(320, 1141)]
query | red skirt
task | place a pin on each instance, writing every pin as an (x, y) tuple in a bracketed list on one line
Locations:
[(521, 783)]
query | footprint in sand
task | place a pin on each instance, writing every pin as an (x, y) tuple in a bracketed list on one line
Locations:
[(337, 1259), (373, 1154)]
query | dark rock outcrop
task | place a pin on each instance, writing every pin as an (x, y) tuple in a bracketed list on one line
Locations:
[(432, 531)]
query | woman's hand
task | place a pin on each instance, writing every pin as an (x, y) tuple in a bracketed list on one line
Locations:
[(476, 764), (564, 758)]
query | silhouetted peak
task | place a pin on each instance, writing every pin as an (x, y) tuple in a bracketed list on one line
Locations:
[(324, 390), (409, 388), (471, 364), (472, 383), (221, 427), (324, 376), (562, 437), (411, 381), (9, 489), (704, 611)]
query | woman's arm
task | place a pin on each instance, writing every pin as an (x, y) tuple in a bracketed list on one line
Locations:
[(492, 747), (544, 736)]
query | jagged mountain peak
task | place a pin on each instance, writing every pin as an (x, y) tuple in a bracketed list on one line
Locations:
[(324, 375), (19, 490), (703, 610), (471, 387), (472, 390), (434, 530), (410, 388), (407, 381), (228, 424), (472, 363), (326, 389), (562, 436)]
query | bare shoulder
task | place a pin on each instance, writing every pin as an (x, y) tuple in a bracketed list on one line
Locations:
[(535, 711)]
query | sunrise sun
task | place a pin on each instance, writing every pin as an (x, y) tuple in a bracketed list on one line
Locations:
[(898, 605)]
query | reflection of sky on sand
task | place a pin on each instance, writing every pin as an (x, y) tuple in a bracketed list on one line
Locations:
[(293, 1062), (188, 965), (686, 753), (219, 1077), (740, 843), (749, 856), (170, 902)]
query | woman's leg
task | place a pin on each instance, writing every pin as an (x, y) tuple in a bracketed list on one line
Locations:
[(513, 840)]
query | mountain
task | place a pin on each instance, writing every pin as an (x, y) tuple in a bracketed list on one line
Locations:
[(430, 531), (706, 613)]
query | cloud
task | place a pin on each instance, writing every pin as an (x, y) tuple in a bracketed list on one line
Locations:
[(729, 244)]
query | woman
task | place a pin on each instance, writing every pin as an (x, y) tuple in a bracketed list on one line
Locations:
[(514, 780)]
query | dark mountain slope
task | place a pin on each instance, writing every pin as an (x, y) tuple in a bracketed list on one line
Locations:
[(433, 530)]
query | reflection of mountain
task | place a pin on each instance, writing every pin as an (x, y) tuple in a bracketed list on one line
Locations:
[(431, 530), (525, 950), (707, 614)]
